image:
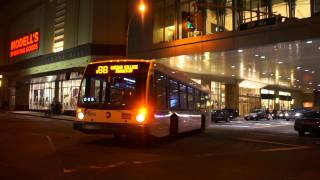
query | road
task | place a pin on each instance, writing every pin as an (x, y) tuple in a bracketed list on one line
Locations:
[(43, 148)]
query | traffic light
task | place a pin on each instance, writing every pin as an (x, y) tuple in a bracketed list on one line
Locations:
[(188, 21)]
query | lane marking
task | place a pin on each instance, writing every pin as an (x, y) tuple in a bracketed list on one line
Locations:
[(51, 144), (284, 149), (269, 142), (69, 170), (277, 135)]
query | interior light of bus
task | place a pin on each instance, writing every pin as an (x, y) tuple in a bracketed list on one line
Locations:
[(130, 80), (141, 115)]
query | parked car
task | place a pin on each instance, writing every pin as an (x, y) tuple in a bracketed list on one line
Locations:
[(279, 114), (222, 115), (294, 114), (257, 114), (233, 113), (307, 122)]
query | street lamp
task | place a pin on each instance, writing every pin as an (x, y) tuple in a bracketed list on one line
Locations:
[(142, 8)]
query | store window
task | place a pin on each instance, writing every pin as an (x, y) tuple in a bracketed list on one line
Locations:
[(267, 99), (41, 93), (285, 100), (68, 91)]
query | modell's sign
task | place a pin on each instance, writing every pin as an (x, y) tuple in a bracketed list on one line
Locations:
[(24, 45)]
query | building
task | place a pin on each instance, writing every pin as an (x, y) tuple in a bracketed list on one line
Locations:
[(46, 44), (250, 53)]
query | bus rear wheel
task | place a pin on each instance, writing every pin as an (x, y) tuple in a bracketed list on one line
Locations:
[(173, 131)]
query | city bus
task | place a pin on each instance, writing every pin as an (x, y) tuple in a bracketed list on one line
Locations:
[(139, 97)]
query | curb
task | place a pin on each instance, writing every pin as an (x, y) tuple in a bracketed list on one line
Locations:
[(42, 116)]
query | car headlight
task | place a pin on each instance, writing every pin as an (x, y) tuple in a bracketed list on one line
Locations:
[(297, 114), (286, 114), (280, 115)]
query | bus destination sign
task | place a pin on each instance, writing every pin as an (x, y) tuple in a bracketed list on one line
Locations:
[(117, 69)]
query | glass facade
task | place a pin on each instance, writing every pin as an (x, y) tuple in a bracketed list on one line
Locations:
[(218, 95), (249, 99), (43, 89), (178, 19)]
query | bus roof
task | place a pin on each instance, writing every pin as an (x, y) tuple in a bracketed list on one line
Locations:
[(178, 75)]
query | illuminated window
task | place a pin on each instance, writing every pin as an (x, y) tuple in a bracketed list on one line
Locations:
[(58, 39)]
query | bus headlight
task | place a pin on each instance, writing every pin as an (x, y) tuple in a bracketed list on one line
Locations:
[(141, 116), (80, 115)]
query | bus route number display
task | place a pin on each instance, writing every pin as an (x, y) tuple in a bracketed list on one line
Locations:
[(117, 69)]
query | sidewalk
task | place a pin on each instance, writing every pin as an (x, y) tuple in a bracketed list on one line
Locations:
[(43, 115)]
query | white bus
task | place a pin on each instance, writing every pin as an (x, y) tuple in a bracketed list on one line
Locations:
[(139, 97)]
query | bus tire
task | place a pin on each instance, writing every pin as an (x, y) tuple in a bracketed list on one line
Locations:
[(203, 123), (174, 124)]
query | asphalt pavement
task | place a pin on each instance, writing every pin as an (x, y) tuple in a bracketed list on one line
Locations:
[(35, 147)]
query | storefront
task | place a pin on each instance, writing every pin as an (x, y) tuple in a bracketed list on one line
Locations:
[(285, 100), (63, 88), (268, 99), (249, 99)]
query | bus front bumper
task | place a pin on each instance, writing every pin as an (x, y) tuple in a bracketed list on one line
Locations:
[(107, 128)]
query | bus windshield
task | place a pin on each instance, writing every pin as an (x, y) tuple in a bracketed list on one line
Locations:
[(108, 89)]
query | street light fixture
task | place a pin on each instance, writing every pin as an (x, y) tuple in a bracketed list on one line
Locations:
[(142, 8)]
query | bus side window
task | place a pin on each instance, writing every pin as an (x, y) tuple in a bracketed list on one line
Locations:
[(190, 98), (183, 96), (197, 99), (161, 90), (173, 94), (203, 101)]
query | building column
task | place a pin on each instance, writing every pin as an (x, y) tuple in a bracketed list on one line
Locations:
[(56, 92), (232, 96)]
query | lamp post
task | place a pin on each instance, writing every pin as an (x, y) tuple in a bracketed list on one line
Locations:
[(141, 9)]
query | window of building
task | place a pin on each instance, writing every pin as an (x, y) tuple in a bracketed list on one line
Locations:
[(302, 8), (164, 21), (58, 36), (218, 16)]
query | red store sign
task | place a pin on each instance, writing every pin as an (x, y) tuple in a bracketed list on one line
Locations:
[(24, 45)]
